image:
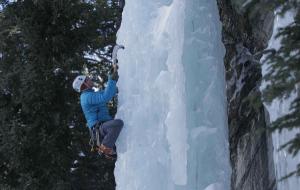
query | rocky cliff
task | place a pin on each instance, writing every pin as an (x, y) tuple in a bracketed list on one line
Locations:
[(247, 28)]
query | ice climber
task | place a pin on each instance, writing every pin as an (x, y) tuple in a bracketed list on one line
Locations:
[(103, 128)]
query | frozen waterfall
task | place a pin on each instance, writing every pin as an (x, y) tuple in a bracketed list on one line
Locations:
[(172, 97), (284, 162)]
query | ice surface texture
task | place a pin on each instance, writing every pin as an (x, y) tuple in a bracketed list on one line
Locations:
[(172, 97)]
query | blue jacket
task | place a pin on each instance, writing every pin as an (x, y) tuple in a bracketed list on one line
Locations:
[(94, 104)]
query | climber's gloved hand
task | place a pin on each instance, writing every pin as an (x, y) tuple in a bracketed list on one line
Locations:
[(114, 68), (114, 72), (115, 76)]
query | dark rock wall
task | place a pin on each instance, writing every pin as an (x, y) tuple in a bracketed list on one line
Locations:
[(246, 31)]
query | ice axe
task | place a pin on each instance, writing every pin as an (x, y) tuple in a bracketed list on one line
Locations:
[(115, 55)]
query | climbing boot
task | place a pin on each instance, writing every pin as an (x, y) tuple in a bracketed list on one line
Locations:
[(109, 153)]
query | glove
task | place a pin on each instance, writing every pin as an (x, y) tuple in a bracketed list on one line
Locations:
[(115, 76), (114, 68)]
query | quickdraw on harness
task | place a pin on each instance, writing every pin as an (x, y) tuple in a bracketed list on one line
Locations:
[(95, 137)]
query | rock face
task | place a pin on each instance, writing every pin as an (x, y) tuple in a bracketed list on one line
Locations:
[(247, 28)]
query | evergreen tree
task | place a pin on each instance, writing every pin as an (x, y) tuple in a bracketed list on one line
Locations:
[(43, 44), (283, 78)]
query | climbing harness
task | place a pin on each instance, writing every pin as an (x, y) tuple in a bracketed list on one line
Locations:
[(96, 138)]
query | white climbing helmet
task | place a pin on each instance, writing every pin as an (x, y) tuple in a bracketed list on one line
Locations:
[(79, 80)]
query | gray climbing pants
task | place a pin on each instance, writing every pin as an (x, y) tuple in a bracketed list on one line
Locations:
[(110, 131)]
